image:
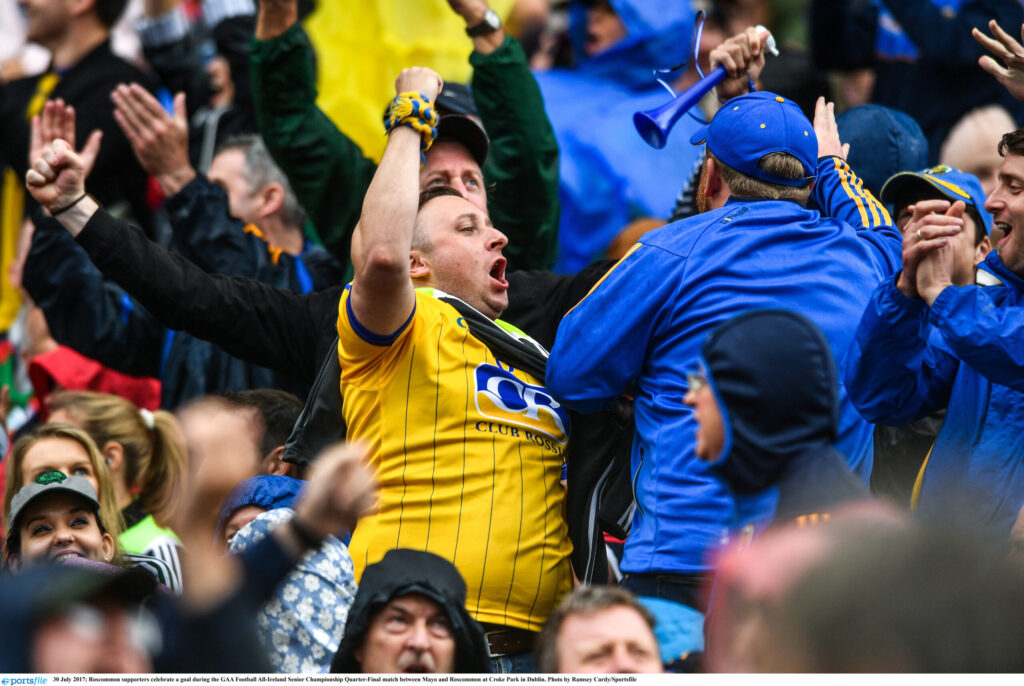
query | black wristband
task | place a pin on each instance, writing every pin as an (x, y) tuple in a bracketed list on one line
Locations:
[(302, 532), (83, 196)]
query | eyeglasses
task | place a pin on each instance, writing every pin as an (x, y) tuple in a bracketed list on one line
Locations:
[(696, 379)]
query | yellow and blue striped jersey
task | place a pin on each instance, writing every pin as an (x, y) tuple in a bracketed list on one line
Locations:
[(468, 452)]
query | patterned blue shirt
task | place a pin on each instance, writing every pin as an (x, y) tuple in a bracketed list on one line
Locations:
[(302, 625)]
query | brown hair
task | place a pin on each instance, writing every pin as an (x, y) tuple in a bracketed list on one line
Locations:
[(1012, 143), (420, 240), (155, 463), (585, 600), (110, 516)]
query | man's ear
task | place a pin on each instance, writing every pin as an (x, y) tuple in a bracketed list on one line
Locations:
[(418, 267), (714, 178), (272, 197), (273, 465), (113, 455)]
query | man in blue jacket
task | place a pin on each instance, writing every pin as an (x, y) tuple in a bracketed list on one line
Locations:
[(643, 325), (925, 343)]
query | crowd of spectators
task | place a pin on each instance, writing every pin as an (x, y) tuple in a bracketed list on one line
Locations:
[(514, 391)]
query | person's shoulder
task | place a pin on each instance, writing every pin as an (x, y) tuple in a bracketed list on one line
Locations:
[(680, 237), (102, 65)]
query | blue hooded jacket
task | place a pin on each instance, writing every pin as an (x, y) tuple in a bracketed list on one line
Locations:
[(963, 353), (266, 491), (609, 176)]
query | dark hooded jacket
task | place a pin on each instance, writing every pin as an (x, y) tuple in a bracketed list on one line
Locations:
[(775, 381), (402, 572)]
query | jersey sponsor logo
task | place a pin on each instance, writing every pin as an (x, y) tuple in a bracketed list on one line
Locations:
[(503, 397)]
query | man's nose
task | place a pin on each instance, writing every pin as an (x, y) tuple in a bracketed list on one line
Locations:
[(498, 240), (623, 661), (419, 637)]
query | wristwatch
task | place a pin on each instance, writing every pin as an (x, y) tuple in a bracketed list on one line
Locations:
[(490, 24)]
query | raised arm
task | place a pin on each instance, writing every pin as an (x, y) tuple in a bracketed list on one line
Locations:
[(267, 326), (898, 369), (841, 194), (327, 171), (522, 165), (85, 312), (382, 293)]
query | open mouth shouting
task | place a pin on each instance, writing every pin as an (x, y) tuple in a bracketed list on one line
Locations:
[(497, 272), (1007, 229)]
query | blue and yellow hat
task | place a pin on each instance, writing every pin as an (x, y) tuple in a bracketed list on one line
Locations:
[(952, 183), (750, 126)]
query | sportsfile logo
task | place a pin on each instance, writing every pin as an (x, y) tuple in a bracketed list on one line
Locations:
[(504, 398), (18, 681)]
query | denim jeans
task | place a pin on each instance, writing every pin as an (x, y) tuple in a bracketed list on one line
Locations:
[(514, 663), (688, 589)]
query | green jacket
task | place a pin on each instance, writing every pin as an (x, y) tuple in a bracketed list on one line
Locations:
[(330, 174)]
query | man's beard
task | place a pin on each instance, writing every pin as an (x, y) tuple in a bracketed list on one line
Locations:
[(702, 201)]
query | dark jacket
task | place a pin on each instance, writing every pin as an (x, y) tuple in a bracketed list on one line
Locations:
[(179, 65), (400, 573), (297, 334), (98, 319), (117, 178), (774, 378)]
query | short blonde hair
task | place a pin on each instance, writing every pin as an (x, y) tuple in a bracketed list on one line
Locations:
[(779, 164)]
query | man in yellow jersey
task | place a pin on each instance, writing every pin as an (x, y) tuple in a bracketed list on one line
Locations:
[(468, 447)]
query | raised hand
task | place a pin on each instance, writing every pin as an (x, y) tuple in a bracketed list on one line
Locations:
[(1004, 47), (421, 80), (339, 490), (275, 17), (160, 141), (57, 121), (742, 56), (935, 271), (827, 132), (57, 177), (926, 232)]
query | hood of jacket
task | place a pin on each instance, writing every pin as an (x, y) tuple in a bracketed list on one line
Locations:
[(774, 378), (400, 573), (268, 491), (658, 36)]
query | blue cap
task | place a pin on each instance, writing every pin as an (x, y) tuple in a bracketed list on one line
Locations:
[(750, 126), (882, 142), (951, 183)]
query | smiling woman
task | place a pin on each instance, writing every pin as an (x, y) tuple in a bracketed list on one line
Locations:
[(66, 449), (55, 518)]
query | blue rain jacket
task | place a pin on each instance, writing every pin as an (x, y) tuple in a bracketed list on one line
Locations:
[(644, 325), (965, 354)]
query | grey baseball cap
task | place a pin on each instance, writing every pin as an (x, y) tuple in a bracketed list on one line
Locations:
[(48, 482)]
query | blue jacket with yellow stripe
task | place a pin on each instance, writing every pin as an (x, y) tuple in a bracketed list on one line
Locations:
[(963, 353), (644, 325)]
